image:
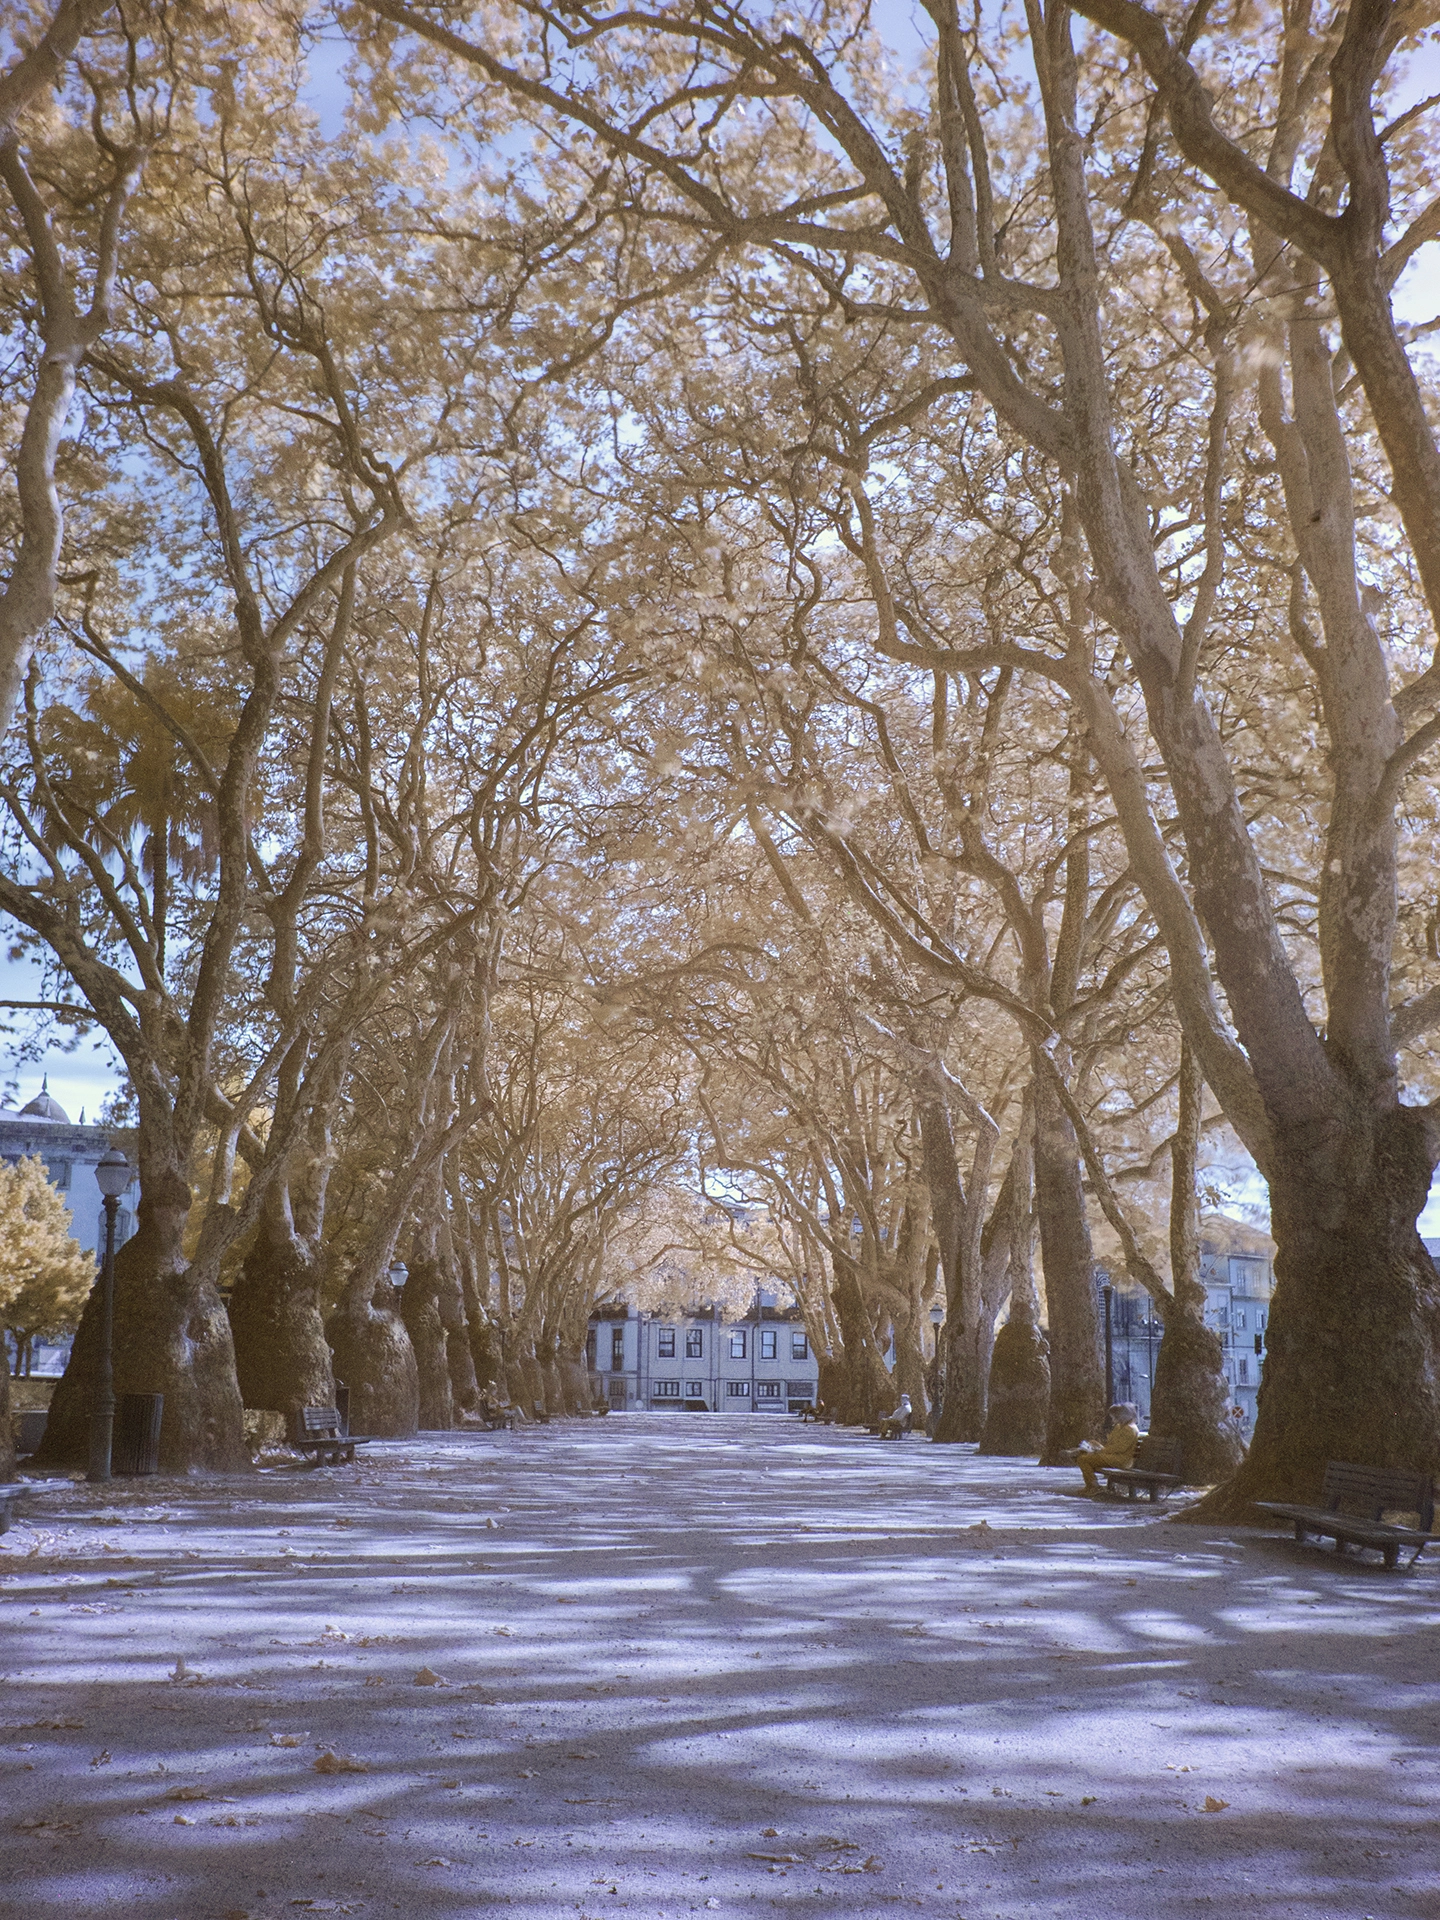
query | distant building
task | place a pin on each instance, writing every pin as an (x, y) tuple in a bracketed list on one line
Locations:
[(700, 1360), (1235, 1266), (71, 1153)]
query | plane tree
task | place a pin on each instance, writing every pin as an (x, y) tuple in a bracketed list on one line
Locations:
[(1139, 305)]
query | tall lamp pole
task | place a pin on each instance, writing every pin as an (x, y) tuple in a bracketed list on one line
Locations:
[(112, 1176), (1109, 1292)]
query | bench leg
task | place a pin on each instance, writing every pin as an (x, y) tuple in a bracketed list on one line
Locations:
[(1392, 1554)]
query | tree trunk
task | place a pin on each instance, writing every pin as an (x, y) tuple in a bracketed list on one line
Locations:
[(554, 1387), (1191, 1397), (1017, 1409), (533, 1376), (1352, 1364), (7, 1438), (830, 1385), (867, 1392), (1077, 1368), (172, 1336), (961, 1388), (420, 1310), (517, 1386), (1019, 1403), (374, 1357), (574, 1382), (282, 1358), (1190, 1401)]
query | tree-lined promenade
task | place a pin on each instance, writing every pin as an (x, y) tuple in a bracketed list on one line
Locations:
[(678, 648), (664, 1666)]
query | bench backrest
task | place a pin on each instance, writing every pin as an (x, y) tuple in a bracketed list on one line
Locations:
[(315, 1421), (1367, 1492), (1157, 1455)]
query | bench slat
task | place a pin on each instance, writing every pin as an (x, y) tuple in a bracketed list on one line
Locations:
[(1354, 1498)]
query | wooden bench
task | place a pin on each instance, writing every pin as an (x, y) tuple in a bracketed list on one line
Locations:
[(1353, 1499), (498, 1415), (1155, 1470), (895, 1426), (8, 1496), (319, 1433), (813, 1410)]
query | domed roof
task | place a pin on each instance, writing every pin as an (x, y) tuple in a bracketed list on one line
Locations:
[(45, 1106)]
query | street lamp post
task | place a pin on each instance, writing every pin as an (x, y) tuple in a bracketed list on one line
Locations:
[(937, 1320), (112, 1176), (1109, 1293), (397, 1275)]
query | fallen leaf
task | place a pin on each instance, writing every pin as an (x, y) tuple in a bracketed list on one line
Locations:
[(582, 1756), (1088, 1799), (1212, 1805), (288, 1739), (340, 1763), (183, 1820), (526, 1773), (427, 1677), (188, 1793)]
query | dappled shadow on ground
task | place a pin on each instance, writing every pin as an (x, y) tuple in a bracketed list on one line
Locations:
[(668, 1664)]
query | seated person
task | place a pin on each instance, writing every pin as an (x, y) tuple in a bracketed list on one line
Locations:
[(1118, 1450), (899, 1421)]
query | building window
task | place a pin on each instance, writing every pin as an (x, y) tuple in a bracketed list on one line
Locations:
[(799, 1347), (1240, 1317), (665, 1343), (1242, 1372), (737, 1389), (1261, 1319), (800, 1389), (664, 1389), (617, 1349), (694, 1389), (694, 1343), (769, 1343), (737, 1344), (590, 1351), (769, 1390)]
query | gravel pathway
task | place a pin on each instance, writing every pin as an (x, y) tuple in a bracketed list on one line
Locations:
[(671, 1664)]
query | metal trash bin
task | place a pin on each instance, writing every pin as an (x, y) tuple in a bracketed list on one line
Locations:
[(136, 1447), (342, 1405)]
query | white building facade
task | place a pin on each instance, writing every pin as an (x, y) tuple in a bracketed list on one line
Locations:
[(700, 1361)]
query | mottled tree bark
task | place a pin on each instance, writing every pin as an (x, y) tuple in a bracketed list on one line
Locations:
[(172, 1336), (282, 1358), (374, 1357), (866, 1391), (1077, 1367), (1018, 1408), (420, 1310)]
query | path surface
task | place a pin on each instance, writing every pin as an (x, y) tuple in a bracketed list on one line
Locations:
[(692, 1664)]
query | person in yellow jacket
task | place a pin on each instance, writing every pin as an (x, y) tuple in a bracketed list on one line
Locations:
[(1118, 1450)]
